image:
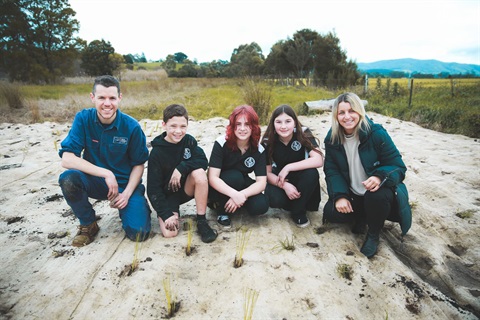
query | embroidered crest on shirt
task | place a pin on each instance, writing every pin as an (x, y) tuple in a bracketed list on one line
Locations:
[(296, 145), (249, 162), (120, 140), (187, 154)]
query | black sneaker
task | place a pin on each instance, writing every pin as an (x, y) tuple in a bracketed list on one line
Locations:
[(224, 221), (300, 220), (206, 233)]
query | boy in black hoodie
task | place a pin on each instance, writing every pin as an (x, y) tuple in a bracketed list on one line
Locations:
[(176, 174)]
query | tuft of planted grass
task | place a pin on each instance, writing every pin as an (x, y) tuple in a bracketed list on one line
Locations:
[(466, 214), (242, 237), (189, 228), (345, 271), (172, 305), (136, 253), (286, 244), (249, 303)]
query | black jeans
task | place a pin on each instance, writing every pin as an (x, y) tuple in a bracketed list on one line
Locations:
[(255, 205), (373, 208), (307, 183)]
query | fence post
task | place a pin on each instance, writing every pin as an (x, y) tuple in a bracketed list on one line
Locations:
[(410, 83), (365, 89)]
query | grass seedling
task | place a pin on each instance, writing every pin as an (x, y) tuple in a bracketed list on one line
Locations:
[(345, 271), (251, 297), (413, 204), (189, 227), (136, 253), (172, 305), (55, 144), (466, 214), (287, 244), (243, 234)]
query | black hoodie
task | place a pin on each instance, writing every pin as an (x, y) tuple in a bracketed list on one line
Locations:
[(165, 157)]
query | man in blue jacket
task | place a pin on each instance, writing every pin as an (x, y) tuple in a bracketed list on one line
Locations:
[(104, 154)]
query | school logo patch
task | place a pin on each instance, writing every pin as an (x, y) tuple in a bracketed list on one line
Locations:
[(249, 162), (187, 154), (120, 140), (296, 145)]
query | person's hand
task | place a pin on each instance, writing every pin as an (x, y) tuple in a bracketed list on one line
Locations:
[(235, 202), (291, 191), (174, 184), (239, 198), (282, 176), (372, 184), (172, 223), (112, 185), (343, 206), (119, 202)]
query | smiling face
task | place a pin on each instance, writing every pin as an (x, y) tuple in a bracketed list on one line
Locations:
[(284, 125), (347, 118), (176, 128), (106, 101), (243, 131)]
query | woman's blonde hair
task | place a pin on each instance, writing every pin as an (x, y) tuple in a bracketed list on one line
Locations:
[(338, 134)]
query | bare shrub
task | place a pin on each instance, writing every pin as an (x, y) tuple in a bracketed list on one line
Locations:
[(257, 94), (13, 95), (35, 115)]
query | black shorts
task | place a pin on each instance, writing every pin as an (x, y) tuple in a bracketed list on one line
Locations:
[(175, 199)]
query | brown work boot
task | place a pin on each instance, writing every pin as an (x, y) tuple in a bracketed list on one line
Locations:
[(85, 234)]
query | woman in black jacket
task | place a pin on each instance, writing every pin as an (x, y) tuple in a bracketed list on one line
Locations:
[(364, 172)]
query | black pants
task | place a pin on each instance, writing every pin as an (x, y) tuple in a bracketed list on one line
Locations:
[(307, 183), (255, 205), (373, 208)]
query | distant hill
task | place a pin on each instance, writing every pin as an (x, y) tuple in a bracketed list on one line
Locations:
[(409, 66)]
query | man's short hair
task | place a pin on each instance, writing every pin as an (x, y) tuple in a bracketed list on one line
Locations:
[(106, 81)]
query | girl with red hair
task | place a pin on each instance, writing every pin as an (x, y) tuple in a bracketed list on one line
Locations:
[(234, 156)]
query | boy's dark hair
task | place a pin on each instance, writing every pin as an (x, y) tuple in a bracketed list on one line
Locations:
[(174, 110), (106, 81)]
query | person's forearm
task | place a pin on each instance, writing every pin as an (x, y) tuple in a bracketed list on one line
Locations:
[(134, 179), (255, 188), (220, 185), (71, 161)]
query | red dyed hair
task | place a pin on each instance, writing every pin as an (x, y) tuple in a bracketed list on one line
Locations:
[(252, 118)]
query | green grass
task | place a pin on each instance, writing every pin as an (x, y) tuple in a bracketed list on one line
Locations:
[(436, 104)]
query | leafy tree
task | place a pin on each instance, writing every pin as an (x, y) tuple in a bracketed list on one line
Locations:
[(246, 60), (98, 59), (214, 69), (179, 57), (276, 64), (129, 59), (188, 70), (309, 53), (37, 40), (169, 64)]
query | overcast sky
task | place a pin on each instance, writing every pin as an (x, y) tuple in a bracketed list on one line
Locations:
[(445, 30)]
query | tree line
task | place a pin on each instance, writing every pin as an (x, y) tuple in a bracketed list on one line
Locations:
[(38, 45)]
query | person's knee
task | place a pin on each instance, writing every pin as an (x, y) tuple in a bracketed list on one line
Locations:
[(200, 177), (70, 182), (259, 207)]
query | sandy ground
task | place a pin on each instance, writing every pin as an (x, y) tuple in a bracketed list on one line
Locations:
[(432, 274)]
